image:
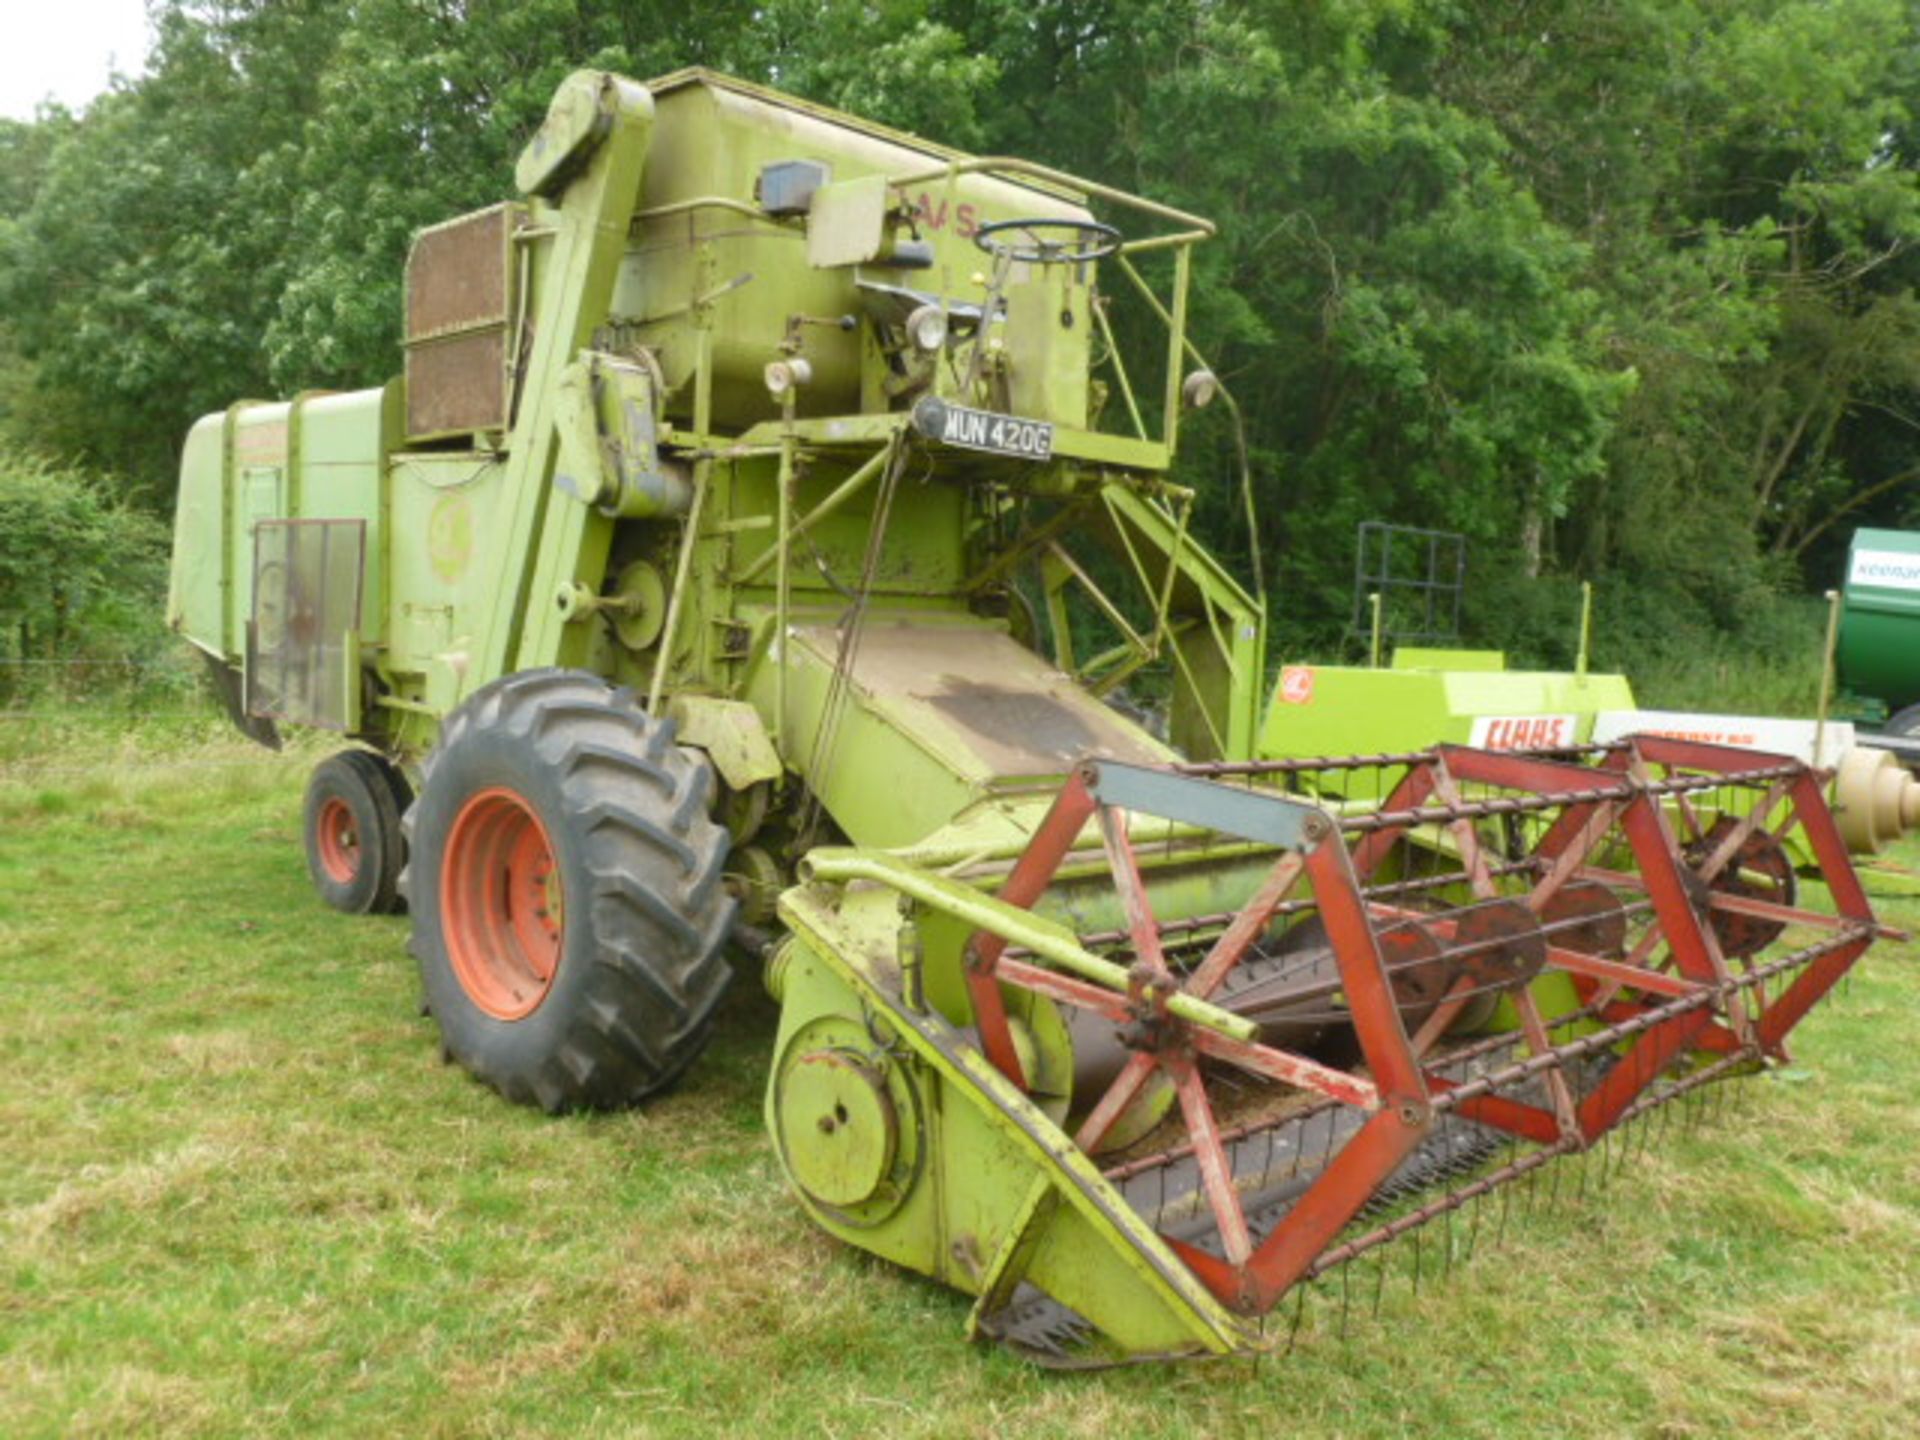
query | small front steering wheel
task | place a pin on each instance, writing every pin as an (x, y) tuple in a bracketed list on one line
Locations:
[(1080, 240)]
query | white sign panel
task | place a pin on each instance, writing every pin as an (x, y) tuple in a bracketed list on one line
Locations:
[(1523, 732), (1750, 732), (1889, 569)]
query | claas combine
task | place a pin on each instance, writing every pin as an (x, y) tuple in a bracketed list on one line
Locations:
[(766, 552)]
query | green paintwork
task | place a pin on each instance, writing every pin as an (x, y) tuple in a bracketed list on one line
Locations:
[(641, 501), (1354, 710), (1878, 654), (732, 734), (317, 454), (1004, 1195)]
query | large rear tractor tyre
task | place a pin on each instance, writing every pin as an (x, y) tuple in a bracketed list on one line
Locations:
[(355, 850), (564, 877)]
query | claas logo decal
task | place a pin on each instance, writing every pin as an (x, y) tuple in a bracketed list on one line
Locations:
[(933, 215), (1523, 732)]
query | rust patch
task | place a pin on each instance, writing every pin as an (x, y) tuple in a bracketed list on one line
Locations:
[(1028, 720), (993, 707), (457, 384)]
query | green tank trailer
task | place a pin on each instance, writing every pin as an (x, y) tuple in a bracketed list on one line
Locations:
[(756, 549), (1877, 656)]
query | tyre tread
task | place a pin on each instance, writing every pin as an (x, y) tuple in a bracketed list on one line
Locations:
[(653, 858)]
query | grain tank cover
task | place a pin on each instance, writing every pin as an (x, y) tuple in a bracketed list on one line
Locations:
[(721, 221), (1878, 654)]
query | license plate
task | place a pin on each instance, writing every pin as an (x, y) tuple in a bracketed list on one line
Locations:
[(983, 430)]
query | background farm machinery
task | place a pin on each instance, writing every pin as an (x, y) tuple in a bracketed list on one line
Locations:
[(1418, 687), (729, 552)]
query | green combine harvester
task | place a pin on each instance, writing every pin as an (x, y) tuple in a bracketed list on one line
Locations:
[(757, 555)]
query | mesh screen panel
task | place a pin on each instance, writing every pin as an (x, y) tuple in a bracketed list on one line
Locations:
[(306, 603)]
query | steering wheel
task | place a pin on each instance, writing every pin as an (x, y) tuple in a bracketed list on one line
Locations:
[(1079, 242)]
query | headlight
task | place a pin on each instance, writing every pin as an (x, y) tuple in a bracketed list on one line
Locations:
[(785, 375), (927, 327)]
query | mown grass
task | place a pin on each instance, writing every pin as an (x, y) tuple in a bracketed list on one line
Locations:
[(243, 1195)]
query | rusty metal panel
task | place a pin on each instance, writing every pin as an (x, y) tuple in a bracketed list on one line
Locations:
[(461, 290), (458, 275), (307, 581), (458, 384)]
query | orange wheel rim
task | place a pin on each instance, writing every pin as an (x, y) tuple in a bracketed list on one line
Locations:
[(501, 904), (339, 841)]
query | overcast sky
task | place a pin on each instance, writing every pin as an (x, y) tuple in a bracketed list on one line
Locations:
[(66, 49)]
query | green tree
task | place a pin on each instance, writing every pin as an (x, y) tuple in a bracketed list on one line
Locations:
[(140, 280)]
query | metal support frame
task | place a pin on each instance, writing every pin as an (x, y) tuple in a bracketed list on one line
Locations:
[(1438, 582)]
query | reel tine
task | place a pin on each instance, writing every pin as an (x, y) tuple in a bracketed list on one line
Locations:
[(1346, 1297), (1506, 1197), (1299, 1310)]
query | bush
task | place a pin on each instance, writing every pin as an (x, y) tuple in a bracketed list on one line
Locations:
[(83, 580), (1686, 643)]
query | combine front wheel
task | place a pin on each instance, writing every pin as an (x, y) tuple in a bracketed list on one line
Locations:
[(352, 823), (565, 882)]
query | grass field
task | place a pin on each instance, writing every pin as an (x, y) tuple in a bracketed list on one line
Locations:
[(241, 1194)]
